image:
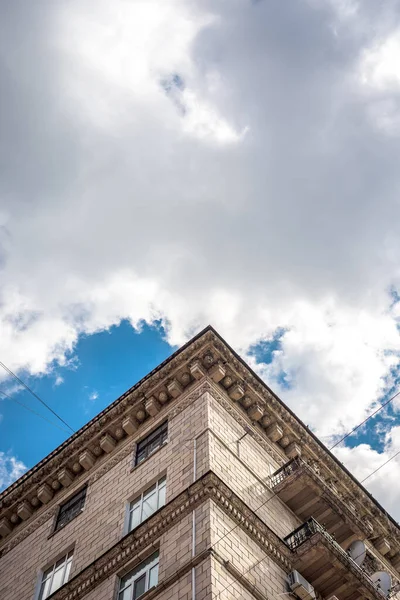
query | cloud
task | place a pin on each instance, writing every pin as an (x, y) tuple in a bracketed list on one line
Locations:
[(10, 469), (362, 460), (195, 163), (93, 396), (58, 380), (380, 63), (335, 364)]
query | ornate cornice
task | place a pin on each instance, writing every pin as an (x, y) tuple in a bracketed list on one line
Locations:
[(284, 428), (244, 517), (176, 576), (99, 470), (138, 392), (104, 435), (209, 486), (245, 421), (42, 516), (275, 428)]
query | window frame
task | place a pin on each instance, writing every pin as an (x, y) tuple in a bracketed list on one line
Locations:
[(134, 575), (159, 485), (71, 498), (48, 573), (145, 444)]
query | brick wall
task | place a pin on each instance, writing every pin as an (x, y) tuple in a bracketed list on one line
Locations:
[(101, 524), (247, 472), (246, 557)]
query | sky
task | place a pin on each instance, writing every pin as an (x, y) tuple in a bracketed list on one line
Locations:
[(169, 165)]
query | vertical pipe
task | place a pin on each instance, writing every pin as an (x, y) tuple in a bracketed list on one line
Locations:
[(194, 521)]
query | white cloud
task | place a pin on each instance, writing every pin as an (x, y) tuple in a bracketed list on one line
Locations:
[(261, 192), (10, 469), (335, 363), (93, 396), (58, 380), (362, 460), (381, 63)]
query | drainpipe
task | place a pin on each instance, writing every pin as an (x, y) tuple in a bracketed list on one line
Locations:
[(194, 521)]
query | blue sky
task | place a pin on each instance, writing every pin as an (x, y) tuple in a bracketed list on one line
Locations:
[(105, 365), (241, 171)]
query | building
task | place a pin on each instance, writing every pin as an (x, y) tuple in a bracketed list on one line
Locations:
[(197, 483)]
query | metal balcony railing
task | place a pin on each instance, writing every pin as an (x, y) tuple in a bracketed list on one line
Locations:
[(311, 527), (303, 533), (293, 479), (287, 469)]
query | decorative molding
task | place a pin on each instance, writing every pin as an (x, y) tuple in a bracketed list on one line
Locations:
[(249, 522), (113, 461), (83, 451), (168, 581), (201, 389), (127, 415), (109, 463), (231, 409), (28, 529), (209, 486), (136, 393), (365, 506)]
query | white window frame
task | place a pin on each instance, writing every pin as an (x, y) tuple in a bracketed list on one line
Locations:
[(137, 573), (159, 485), (48, 573)]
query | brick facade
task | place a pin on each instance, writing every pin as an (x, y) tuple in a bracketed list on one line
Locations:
[(222, 525)]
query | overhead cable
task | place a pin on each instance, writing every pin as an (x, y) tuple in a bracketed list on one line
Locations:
[(32, 411), (35, 395)]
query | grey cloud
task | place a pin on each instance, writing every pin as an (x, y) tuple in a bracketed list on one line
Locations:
[(99, 176)]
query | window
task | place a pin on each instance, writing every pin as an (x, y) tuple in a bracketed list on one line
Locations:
[(70, 509), (151, 500), (55, 576), (141, 579), (152, 442)]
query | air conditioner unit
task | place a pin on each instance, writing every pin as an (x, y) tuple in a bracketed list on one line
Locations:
[(300, 586)]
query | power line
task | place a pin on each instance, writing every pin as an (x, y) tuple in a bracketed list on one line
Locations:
[(382, 465), (275, 493), (32, 411), (255, 565), (244, 573), (35, 395), (365, 420)]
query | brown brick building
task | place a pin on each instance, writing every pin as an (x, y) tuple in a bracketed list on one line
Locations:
[(190, 486)]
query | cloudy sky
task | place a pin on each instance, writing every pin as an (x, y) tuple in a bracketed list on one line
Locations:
[(169, 164)]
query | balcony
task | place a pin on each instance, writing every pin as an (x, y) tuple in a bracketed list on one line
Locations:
[(308, 495), (320, 559)]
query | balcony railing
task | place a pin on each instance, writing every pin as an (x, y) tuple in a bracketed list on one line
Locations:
[(284, 472), (305, 532), (308, 494)]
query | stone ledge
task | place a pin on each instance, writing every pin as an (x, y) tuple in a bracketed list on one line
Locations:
[(209, 486), (133, 396)]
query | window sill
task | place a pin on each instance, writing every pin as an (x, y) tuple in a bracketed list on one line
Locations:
[(149, 457)]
